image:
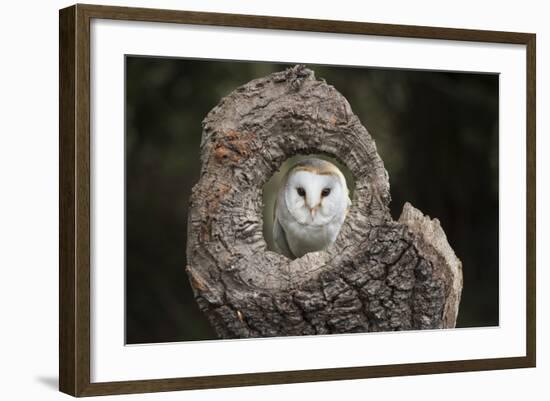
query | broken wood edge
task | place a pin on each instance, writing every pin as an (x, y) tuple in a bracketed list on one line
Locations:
[(431, 243)]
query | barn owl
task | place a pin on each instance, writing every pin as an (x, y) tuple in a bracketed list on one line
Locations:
[(310, 208)]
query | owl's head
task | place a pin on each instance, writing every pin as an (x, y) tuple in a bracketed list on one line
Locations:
[(315, 192)]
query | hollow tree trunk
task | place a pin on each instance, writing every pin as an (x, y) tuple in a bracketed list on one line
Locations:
[(379, 275)]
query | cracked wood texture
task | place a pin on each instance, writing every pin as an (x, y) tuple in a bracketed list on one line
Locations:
[(379, 275)]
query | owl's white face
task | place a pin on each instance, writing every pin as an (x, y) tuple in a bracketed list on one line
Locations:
[(315, 199)]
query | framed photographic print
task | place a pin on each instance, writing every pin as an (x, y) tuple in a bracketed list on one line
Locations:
[(251, 200)]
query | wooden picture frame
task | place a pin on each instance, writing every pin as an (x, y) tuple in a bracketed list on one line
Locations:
[(74, 207)]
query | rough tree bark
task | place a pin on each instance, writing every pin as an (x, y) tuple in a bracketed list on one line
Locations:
[(379, 275)]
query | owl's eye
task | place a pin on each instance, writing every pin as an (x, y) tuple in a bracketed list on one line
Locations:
[(325, 192), (301, 191)]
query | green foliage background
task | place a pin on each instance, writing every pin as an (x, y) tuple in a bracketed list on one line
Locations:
[(437, 133)]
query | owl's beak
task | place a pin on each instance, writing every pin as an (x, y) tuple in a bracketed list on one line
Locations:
[(313, 211)]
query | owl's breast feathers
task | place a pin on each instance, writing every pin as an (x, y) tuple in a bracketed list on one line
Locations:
[(303, 238), (295, 239)]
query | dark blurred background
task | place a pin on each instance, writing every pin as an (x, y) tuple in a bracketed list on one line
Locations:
[(437, 133)]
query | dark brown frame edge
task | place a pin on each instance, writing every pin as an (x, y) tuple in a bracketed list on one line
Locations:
[(74, 199)]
